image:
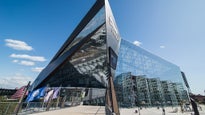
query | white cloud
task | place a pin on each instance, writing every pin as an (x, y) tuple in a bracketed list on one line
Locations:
[(18, 45), (23, 62), (15, 61), (17, 80), (162, 47), (37, 69), (137, 43), (25, 56), (26, 63)]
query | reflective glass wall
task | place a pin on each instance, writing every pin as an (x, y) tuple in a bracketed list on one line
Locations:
[(147, 80), (87, 67), (83, 62)]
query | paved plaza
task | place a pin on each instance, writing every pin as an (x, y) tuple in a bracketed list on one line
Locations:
[(100, 110), (78, 110), (155, 111)]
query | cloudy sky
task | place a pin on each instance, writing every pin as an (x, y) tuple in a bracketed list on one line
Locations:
[(31, 32)]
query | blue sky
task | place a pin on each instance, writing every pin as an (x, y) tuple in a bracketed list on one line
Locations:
[(31, 32)]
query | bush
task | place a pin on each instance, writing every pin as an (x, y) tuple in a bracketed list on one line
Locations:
[(7, 106)]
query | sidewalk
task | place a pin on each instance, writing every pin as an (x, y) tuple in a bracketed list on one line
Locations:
[(100, 110), (155, 111), (78, 110)]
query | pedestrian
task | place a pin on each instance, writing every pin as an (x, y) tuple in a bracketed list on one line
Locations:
[(163, 111)]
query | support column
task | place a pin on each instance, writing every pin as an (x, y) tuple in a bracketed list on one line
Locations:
[(111, 100)]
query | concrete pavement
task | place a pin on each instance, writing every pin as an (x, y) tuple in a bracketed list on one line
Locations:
[(100, 110)]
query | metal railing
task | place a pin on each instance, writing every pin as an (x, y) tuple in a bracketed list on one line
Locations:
[(8, 108)]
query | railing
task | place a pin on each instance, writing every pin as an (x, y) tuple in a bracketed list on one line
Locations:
[(8, 108)]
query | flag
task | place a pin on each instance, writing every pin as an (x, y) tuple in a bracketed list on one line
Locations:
[(36, 94), (46, 98), (19, 93), (56, 92)]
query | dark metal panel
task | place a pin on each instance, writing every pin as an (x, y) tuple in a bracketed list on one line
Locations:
[(113, 37)]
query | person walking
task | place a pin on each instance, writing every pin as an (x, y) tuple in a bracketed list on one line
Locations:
[(163, 111)]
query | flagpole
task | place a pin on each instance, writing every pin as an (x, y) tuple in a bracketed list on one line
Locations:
[(63, 98), (49, 101), (57, 101), (58, 98), (45, 103), (21, 99)]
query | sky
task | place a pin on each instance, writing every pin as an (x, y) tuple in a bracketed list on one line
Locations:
[(31, 32)]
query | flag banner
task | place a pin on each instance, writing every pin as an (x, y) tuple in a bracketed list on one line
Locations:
[(19, 93), (36, 94), (56, 93), (46, 98)]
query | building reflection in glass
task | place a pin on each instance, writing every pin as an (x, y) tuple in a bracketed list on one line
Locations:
[(86, 67), (155, 81), (142, 91), (83, 61)]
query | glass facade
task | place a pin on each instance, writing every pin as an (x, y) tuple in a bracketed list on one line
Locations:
[(147, 80), (85, 68), (89, 56), (97, 20), (140, 62), (87, 59)]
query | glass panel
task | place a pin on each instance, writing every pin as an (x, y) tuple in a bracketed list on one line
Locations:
[(87, 67), (97, 20), (151, 80)]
